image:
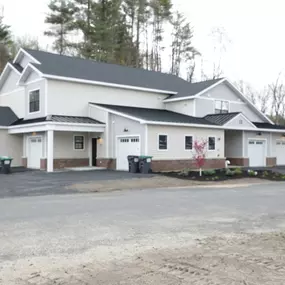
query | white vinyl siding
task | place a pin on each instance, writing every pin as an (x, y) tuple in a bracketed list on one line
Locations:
[(176, 141), (79, 95), (10, 83)]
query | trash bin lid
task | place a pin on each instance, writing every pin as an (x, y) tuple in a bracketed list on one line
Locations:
[(145, 156), (6, 158)]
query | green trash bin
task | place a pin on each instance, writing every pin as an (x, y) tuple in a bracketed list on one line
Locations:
[(6, 162), (145, 164)]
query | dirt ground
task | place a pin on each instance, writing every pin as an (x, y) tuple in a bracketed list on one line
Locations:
[(157, 182), (251, 259)]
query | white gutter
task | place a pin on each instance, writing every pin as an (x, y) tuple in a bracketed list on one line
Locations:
[(213, 127)]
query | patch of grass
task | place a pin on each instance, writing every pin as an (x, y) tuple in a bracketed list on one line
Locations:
[(209, 172)]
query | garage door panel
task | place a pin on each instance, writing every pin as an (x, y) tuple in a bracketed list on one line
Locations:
[(257, 152), (280, 152), (126, 146)]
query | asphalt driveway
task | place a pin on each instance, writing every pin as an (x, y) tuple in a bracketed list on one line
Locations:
[(144, 237), (31, 183)]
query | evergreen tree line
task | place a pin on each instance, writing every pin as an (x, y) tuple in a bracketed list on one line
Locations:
[(126, 32)]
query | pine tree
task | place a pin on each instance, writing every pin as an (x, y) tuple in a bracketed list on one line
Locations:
[(61, 20), (83, 24), (182, 49), (161, 12), (5, 42)]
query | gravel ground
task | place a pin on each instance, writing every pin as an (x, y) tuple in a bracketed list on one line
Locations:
[(241, 259)]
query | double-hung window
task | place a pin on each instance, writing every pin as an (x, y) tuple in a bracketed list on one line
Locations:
[(162, 142), (34, 101), (79, 142), (188, 142), (211, 143), (221, 107)]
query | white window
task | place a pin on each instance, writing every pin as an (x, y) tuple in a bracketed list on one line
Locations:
[(162, 142), (188, 142), (79, 142), (211, 143), (221, 107), (34, 101)]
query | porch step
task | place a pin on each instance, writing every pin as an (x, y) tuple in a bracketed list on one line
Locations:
[(87, 168)]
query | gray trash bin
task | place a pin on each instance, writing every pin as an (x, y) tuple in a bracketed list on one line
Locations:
[(145, 164), (133, 163), (6, 164)]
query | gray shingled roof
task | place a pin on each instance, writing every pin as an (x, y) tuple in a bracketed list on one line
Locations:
[(7, 116), (73, 67), (220, 119), (268, 126), (58, 119), (156, 115)]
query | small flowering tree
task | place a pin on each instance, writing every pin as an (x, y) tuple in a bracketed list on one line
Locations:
[(199, 154)]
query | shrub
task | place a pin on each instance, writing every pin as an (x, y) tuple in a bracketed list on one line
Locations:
[(184, 172), (283, 177), (265, 173), (230, 172), (238, 171), (209, 172), (252, 173)]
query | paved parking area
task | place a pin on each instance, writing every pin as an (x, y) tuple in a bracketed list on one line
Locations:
[(31, 183)]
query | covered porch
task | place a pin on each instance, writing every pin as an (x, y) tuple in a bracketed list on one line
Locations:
[(61, 142)]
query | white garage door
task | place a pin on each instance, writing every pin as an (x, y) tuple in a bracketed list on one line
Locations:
[(280, 152), (256, 152), (127, 146), (35, 148)]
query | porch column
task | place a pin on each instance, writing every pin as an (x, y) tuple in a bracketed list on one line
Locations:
[(50, 137)]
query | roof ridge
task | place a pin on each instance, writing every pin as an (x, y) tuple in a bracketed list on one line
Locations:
[(101, 62), (222, 114)]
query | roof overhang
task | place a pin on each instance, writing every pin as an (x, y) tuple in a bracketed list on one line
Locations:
[(26, 72), (55, 126), (21, 53), (6, 71), (106, 84), (195, 95)]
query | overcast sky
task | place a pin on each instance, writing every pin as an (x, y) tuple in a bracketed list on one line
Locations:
[(255, 27)]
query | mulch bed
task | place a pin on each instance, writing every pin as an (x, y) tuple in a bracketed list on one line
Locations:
[(223, 175)]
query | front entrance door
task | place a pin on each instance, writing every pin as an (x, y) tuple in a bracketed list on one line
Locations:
[(94, 151), (35, 148)]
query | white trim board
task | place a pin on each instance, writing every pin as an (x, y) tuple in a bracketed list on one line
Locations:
[(117, 113), (64, 127), (33, 68), (27, 54), (196, 95), (92, 82)]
